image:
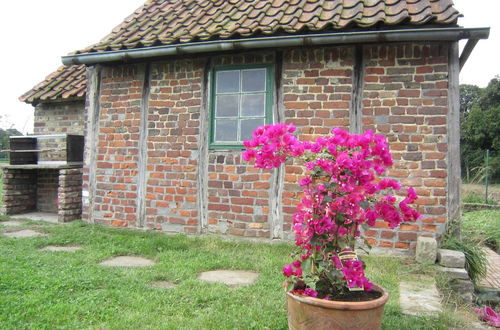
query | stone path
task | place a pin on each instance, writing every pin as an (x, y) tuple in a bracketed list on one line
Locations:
[(11, 223), (492, 279), (23, 233), (419, 298), (230, 277), (127, 261)]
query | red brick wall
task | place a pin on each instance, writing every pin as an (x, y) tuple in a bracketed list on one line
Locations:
[(117, 146), (47, 184), (238, 194), (317, 92), (60, 117), (172, 146), (406, 99), (189, 188)]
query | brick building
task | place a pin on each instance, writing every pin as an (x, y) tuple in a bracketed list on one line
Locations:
[(173, 91)]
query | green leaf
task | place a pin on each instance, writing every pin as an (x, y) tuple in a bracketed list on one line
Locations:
[(364, 204), (289, 286), (327, 199), (306, 265)]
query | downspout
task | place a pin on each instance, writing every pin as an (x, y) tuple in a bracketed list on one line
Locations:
[(429, 34)]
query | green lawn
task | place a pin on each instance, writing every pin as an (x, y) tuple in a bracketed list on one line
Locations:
[(62, 290)]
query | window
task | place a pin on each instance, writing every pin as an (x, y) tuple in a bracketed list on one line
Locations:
[(241, 100)]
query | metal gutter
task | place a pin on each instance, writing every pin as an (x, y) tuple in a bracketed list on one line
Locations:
[(427, 34)]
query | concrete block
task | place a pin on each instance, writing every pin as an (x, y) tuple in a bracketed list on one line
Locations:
[(450, 258), (456, 273), (426, 251)]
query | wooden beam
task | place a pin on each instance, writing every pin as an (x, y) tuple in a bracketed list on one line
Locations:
[(91, 136), (143, 145), (453, 126), (202, 175), (358, 78), (277, 178), (469, 47)]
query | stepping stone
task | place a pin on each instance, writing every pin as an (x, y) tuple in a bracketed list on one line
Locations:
[(419, 298), (24, 233), (56, 248), (229, 277), (127, 261), (11, 223), (163, 285)]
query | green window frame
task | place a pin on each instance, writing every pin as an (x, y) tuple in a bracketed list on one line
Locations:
[(239, 103)]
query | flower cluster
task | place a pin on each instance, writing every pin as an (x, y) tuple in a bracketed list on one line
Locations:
[(342, 192)]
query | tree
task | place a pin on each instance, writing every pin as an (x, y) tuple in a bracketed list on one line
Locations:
[(480, 128), (469, 94), (4, 140)]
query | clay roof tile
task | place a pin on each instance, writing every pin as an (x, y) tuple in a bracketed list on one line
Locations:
[(163, 22)]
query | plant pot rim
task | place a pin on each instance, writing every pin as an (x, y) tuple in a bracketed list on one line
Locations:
[(344, 305)]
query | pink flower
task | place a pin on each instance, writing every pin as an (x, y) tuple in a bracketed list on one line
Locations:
[(305, 181), (288, 270), (342, 192), (310, 292)]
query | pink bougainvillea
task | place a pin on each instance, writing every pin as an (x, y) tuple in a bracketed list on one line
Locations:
[(342, 192)]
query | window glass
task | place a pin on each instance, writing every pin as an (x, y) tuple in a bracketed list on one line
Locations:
[(247, 126), (226, 105), (241, 101), (226, 130), (254, 80), (228, 81), (253, 105)]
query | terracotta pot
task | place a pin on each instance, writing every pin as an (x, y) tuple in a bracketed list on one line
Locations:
[(313, 313)]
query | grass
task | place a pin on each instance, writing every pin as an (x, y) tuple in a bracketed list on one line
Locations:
[(475, 198), (62, 290), (483, 227)]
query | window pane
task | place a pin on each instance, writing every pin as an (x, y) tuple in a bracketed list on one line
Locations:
[(254, 80), (228, 81), (248, 126), (227, 105), (253, 105), (226, 130)]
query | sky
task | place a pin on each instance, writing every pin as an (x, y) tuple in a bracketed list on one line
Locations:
[(36, 33)]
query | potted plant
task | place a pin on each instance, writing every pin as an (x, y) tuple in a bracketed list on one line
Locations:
[(343, 193)]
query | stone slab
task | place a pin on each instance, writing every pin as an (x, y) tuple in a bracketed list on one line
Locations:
[(426, 251), (127, 261), (419, 298), (11, 223), (456, 273), (56, 248), (230, 277), (450, 258), (464, 289), (37, 216), (23, 234), (163, 285)]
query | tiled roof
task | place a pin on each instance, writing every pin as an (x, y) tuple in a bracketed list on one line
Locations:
[(163, 22), (67, 82)]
